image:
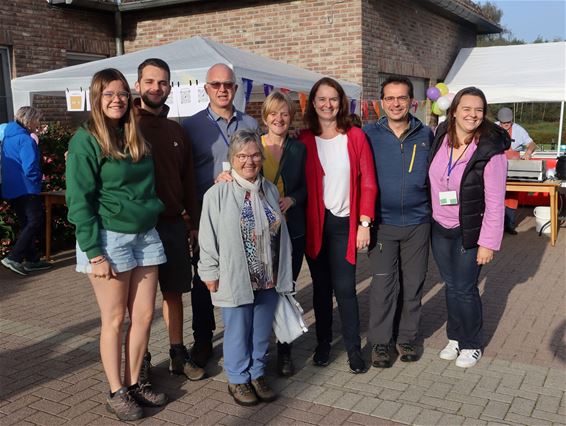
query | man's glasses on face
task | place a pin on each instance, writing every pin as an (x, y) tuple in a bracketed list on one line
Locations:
[(228, 85), (401, 99), (109, 96)]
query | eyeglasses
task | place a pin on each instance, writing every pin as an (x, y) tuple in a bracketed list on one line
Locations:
[(228, 85), (242, 158), (109, 96), (401, 99)]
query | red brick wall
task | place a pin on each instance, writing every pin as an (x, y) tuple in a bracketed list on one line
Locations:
[(322, 35)]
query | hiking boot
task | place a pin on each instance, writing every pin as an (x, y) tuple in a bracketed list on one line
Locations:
[(40, 265), (321, 355), (285, 367), (146, 396), (201, 352), (450, 351), (243, 394), (123, 405), (145, 370), (408, 352), (181, 363), (381, 356), (356, 362), (468, 358), (17, 267), (263, 390)]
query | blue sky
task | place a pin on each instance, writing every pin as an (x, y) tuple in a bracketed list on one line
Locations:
[(527, 19)]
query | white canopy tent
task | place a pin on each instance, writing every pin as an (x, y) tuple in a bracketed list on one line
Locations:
[(189, 60), (521, 73)]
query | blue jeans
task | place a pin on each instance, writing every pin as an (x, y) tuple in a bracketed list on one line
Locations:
[(459, 270), (29, 210), (247, 330)]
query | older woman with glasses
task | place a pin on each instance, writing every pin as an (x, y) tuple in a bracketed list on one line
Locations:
[(245, 260)]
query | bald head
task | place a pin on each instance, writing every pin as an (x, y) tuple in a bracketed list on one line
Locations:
[(219, 69), (221, 87)]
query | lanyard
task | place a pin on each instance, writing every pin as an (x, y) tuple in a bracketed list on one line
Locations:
[(450, 165), (211, 118)]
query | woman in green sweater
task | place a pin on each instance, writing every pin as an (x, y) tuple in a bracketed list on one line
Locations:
[(113, 205)]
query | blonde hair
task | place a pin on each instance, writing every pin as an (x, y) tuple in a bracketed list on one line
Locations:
[(27, 115), (273, 101), (112, 142)]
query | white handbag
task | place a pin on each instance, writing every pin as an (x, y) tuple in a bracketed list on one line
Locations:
[(288, 323)]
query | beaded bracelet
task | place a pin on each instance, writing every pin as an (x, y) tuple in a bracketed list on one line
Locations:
[(99, 261)]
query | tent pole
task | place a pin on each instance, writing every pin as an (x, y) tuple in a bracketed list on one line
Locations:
[(560, 129)]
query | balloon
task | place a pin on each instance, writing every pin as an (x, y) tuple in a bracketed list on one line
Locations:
[(443, 103), (451, 96), (443, 88), (436, 110), (432, 93)]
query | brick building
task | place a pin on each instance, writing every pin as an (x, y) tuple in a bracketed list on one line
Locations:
[(357, 40)]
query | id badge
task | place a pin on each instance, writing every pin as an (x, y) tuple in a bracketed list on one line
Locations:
[(226, 167), (448, 198)]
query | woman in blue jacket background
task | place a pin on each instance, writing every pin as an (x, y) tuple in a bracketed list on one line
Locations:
[(21, 185)]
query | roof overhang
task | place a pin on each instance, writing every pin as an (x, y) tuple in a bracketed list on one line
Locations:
[(110, 6), (462, 10)]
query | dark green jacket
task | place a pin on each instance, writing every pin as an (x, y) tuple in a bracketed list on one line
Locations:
[(104, 193)]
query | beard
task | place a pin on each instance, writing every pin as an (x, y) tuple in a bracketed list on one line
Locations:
[(153, 104)]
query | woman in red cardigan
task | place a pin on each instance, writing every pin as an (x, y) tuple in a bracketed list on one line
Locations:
[(341, 193)]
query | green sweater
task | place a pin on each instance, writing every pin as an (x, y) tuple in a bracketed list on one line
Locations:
[(104, 193)]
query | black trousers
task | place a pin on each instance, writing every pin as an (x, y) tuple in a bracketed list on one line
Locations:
[(331, 272), (203, 310), (29, 210)]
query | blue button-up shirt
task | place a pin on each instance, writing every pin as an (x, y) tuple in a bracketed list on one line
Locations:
[(210, 136)]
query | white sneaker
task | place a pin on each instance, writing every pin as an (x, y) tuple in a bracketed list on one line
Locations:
[(468, 358), (450, 351)]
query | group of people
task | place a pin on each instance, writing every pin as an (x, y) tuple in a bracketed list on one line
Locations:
[(214, 208)]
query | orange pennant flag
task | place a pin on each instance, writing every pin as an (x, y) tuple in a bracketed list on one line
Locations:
[(376, 108), (303, 101), (365, 111)]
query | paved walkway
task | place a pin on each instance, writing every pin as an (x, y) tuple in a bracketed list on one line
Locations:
[(50, 372)]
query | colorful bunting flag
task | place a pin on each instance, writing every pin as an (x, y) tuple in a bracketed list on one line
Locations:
[(303, 97), (248, 85), (353, 104), (267, 89), (365, 111), (284, 90), (375, 105)]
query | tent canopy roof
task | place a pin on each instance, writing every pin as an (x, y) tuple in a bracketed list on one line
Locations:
[(520, 73), (188, 60)]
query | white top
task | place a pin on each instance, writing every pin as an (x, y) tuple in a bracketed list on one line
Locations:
[(333, 155), (520, 139)]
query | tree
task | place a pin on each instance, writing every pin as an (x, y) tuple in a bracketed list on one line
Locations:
[(504, 38)]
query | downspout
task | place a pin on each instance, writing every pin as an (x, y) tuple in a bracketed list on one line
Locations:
[(118, 30)]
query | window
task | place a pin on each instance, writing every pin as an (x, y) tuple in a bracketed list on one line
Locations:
[(6, 112), (75, 58)]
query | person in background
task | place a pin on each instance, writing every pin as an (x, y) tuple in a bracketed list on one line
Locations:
[(399, 258), (113, 205), (21, 185), (520, 141), (245, 261), (341, 194), (175, 185), (210, 131), (467, 173)]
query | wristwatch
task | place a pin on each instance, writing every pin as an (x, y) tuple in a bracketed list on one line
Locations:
[(365, 223)]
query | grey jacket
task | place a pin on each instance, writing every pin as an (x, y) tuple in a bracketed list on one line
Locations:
[(222, 255)]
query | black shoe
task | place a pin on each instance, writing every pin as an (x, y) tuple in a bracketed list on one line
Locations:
[(285, 366), (181, 363), (201, 352), (145, 370), (321, 355), (146, 396), (381, 356), (40, 265), (408, 352), (511, 231), (356, 362), (124, 405)]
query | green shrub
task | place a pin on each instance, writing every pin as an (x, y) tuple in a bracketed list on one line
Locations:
[(53, 143)]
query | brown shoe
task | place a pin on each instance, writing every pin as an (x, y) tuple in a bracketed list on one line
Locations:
[(124, 405), (181, 363), (147, 397), (408, 352), (243, 394), (263, 390), (201, 352)]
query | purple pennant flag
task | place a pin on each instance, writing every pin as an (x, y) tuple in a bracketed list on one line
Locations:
[(267, 88), (248, 84), (352, 106)]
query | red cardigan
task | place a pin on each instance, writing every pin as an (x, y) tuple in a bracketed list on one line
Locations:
[(363, 190)]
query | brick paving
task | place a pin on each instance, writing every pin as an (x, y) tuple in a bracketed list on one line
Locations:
[(50, 372)]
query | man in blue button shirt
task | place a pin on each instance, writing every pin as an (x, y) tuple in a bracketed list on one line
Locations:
[(210, 131)]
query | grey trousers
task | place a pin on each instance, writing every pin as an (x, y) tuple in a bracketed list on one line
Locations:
[(399, 263)]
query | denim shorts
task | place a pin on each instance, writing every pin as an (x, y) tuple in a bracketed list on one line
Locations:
[(126, 251)]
